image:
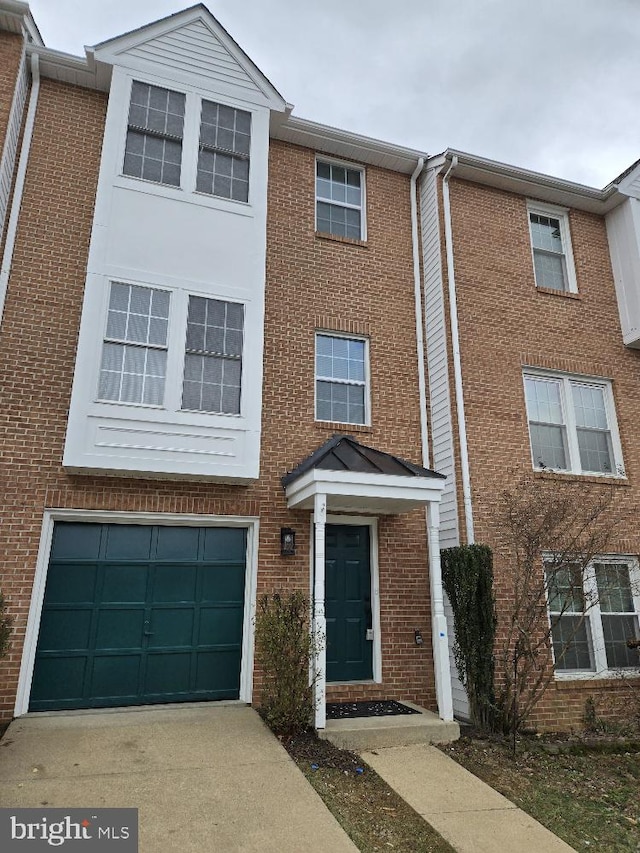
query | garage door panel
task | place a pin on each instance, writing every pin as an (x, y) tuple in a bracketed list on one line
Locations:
[(64, 630), (225, 544), (58, 678), (168, 674), (221, 668), (223, 584), (171, 627), (138, 614), (217, 624), (76, 541), (69, 583), (178, 543), (128, 542), (116, 676), (124, 584), (120, 629), (174, 583)]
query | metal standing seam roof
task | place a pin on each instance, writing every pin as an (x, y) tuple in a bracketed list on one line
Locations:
[(344, 453)]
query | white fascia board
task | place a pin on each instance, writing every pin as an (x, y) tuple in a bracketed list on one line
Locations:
[(343, 143), (526, 182), (382, 487), (23, 19)]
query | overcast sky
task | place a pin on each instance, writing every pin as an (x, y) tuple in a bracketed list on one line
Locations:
[(551, 85)]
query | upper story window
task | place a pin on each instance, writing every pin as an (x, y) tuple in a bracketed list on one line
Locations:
[(551, 247), (153, 148), (213, 359), (572, 424), (134, 352), (340, 200), (593, 616), (223, 160), (341, 379)]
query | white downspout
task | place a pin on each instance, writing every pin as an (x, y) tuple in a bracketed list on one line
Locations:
[(457, 367), (417, 290), (439, 639), (16, 204)]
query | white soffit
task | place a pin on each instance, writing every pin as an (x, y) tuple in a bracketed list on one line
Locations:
[(346, 491)]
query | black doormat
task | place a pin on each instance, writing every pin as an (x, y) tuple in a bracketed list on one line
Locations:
[(382, 708)]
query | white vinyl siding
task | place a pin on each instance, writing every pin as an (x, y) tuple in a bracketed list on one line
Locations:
[(572, 424), (10, 152)]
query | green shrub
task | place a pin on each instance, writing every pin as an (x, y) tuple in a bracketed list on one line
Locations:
[(284, 647), (5, 627), (467, 577)]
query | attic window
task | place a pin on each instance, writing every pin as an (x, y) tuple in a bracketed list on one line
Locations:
[(223, 160), (154, 135)]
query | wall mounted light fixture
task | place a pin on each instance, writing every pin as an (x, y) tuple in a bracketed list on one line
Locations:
[(287, 542)]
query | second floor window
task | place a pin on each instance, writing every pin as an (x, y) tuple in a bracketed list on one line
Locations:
[(572, 424), (341, 379), (134, 352), (153, 148), (551, 247)]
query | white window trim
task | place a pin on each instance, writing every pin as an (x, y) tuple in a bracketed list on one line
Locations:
[(332, 161), (367, 377), (592, 617), (175, 349), (562, 215), (570, 425)]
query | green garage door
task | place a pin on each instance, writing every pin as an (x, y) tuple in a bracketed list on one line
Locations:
[(135, 614)]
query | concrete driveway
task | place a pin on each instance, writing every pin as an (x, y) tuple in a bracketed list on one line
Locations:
[(204, 778)]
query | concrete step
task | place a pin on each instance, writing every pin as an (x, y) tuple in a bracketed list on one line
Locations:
[(362, 734)]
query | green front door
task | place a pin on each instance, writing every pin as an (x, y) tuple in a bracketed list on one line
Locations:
[(348, 603), (138, 614)]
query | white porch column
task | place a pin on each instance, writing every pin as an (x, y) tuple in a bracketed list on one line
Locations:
[(319, 620), (439, 639)]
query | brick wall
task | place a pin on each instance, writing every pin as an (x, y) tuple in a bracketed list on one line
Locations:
[(311, 283), (506, 323)]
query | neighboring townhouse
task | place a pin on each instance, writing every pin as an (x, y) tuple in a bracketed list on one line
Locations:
[(532, 328), (202, 296)]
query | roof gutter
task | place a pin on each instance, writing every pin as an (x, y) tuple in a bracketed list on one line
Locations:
[(457, 364), (417, 292), (16, 203)]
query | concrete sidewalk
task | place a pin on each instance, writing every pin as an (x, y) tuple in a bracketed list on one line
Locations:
[(204, 778), (468, 813)]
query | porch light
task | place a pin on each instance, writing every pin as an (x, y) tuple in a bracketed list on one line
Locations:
[(287, 542)]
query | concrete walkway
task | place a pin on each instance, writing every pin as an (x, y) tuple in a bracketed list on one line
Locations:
[(204, 778), (468, 813)]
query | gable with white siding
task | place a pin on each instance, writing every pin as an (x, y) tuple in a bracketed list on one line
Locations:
[(191, 47)]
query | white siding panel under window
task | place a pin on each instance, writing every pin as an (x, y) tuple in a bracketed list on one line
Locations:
[(194, 49), (10, 152), (439, 395)]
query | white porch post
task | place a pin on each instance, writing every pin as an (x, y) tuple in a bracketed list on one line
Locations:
[(438, 619), (319, 620)]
